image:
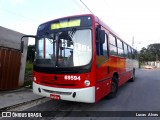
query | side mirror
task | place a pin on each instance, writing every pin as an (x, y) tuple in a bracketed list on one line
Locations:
[(22, 42), (100, 35), (97, 34)]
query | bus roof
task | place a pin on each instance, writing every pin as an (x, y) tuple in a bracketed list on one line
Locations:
[(109, 29), (97, 20)]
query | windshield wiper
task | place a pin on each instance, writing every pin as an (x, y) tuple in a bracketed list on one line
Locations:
[(72, 32)]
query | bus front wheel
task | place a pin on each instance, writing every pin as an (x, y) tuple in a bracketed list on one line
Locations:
[(114, 88)]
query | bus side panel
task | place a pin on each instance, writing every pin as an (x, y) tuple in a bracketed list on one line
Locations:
[(126, 73), (102, 89), (103, 78), (124, 77), (121, 70)]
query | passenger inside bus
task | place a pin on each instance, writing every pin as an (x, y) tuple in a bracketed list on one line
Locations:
[(70, 59)]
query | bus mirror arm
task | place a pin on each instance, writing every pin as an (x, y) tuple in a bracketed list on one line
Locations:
[(22, 42), (22, 46)]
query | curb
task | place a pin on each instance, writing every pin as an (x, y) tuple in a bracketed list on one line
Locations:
[(19, 104)]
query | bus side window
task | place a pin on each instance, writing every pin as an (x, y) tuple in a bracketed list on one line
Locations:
[(102, 49), (112, 45), (102, 52), (136, 55), (105, 47), (120, 48), (125, 50), (129, 52), (133, 55), (99, 48)]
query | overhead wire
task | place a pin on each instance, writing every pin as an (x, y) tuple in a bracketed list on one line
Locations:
[(86, 6)]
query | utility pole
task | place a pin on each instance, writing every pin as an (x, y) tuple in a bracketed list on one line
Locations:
[(133, 41)]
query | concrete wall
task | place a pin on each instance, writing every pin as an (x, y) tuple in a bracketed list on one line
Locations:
[(154, 63), (12, 39)]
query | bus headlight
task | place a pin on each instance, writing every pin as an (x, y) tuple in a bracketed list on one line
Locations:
[(34, 78), (86, 82)]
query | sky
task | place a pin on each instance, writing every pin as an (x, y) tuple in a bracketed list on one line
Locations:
[(138, 19)]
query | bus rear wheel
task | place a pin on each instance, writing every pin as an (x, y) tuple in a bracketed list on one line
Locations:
[(114, 88), (133, 76)]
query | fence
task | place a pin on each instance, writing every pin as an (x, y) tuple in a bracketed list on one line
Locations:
[(10, 61)]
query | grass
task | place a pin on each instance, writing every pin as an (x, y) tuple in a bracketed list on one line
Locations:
[(28, 84), (28, 75), (29, 68)]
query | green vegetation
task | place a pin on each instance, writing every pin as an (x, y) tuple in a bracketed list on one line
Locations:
[(28, 84), (151, 53), (30, 53), (29, 67), (28, 75)]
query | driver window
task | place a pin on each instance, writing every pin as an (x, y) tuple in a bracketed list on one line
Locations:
[(102, 52)]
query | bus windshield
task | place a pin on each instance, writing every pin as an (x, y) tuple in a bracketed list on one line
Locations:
[(70, 48)]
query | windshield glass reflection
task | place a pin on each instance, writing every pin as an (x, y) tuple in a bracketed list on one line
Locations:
[(65, 49)]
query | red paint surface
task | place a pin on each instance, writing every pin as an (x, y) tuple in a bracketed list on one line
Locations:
[(99, 76)]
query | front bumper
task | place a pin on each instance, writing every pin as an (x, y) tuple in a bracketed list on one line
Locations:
[(86, 95)]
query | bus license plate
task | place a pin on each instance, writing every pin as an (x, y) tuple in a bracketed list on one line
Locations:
[(55, 97)]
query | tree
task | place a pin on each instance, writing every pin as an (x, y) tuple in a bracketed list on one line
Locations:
[(154, 51), (143, 55), (151, 53), (30, 53)]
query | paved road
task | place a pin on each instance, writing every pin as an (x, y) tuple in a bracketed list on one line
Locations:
[(141, 95)]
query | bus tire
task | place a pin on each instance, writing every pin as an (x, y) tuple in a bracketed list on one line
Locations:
[(114, 88), (133, 76)]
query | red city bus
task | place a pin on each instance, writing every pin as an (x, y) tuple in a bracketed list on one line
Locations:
[(79, 58)]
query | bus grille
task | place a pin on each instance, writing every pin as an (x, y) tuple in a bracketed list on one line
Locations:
[(58, 92), (51, 80)]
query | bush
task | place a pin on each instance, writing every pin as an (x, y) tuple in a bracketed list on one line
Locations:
[(28, 75)]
